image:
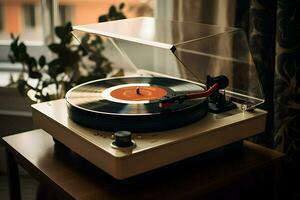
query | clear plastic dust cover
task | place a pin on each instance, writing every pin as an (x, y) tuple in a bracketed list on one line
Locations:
[(185, 50)]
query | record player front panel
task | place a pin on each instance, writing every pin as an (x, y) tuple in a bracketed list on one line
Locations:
[(152, 150)]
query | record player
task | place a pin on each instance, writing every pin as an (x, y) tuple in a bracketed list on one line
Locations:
[(189, 88)]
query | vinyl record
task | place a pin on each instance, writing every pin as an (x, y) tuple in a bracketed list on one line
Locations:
[(132, 103)]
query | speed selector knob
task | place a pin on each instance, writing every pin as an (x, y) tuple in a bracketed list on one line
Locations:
[(123, 139)]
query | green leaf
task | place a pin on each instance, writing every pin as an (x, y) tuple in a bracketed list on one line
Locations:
[(121, 16), (14, 46), (37, 96), (53, 63), (122, 5), (68, 38), (59, 31), (35, 74), (15, 41), (98, 39), (22, 48), (42, 61), (11, 59), (112, 11), (55, 47), (53, 68), (82, 50), (68, 28), (12, 36), (103, 18), (85, 39), (22, 87), (32, 63), (44, 98), (23, 57), (63, 32)]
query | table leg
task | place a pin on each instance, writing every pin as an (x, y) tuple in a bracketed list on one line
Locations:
[(13, 177)]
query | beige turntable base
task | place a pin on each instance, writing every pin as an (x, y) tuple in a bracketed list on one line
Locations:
[(152, 150)]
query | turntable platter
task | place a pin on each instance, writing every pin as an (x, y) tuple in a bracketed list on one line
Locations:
[(131, 103)]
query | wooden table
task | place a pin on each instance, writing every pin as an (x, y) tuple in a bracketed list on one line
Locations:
[(211, 175)]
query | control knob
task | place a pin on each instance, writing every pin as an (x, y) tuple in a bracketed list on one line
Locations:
[(123, 139)]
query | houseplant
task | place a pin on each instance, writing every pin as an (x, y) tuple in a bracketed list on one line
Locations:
[(42, 80)]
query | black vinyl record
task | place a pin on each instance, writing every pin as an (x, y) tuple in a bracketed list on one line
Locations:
[(132, 103)]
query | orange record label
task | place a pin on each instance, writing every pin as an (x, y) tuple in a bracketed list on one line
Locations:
[(138, 93)]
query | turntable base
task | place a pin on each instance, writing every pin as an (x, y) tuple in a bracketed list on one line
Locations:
[(152, 150), (253, 175)]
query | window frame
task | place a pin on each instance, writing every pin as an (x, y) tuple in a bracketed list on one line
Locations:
[(36, 48), (1, 17), (32, 23), (50, 18)]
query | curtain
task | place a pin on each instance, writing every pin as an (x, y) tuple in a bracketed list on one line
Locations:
[(273, 32), (287, 91), (218, 12), (287, 77), (273, 28), (225, 13), (262, 26)]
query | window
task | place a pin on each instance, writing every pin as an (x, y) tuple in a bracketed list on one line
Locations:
[(65, 13), (29, 15), (84, 12), (33, 20), (1, 17), (23, 19)]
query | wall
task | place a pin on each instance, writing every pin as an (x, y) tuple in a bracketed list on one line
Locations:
[(15, 117)]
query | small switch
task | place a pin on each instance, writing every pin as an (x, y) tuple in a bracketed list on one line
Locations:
[(123, 139)]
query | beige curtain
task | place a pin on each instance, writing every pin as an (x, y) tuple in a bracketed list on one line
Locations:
[(218, 12)]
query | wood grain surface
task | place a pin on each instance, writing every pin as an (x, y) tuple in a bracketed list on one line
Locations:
[(71, 177)]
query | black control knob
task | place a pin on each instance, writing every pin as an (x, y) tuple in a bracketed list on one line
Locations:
[(123, 139)]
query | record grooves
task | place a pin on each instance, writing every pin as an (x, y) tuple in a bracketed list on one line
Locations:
[(132, 103)]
